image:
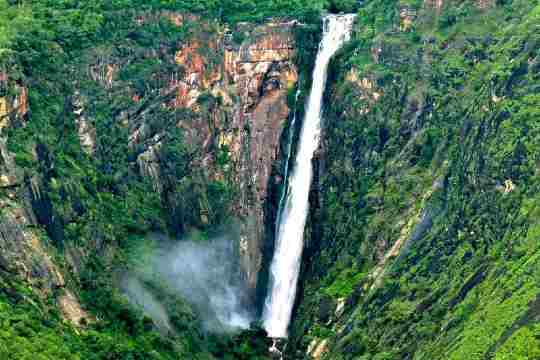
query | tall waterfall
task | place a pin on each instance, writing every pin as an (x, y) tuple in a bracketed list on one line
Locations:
[(290, 227)]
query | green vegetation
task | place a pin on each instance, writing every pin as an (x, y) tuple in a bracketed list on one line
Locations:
[(344, 283), (432, 142), (32, 329), (94, 203), (443, 160)]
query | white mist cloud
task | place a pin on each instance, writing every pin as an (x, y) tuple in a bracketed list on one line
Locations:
[(205, 274), (139, 296)]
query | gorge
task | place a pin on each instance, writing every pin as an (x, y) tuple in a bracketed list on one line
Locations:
[(208, 180)]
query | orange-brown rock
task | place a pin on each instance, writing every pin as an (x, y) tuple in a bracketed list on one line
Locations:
[(189, 57), (236, 94), (104, 73), (21, 101), (111, 70), (262, 71), (85, 129), (434, 4), (12, 107), (407, 16), (439, 4), (366, 88), (252, 80), (71, 309), (180, 19), (4, 112)]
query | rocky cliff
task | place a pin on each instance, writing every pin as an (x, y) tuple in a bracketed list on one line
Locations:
[(171, 123), (216, 95), (236, 91)]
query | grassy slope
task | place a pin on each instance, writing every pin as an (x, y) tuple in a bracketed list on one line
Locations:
[(427, 167)]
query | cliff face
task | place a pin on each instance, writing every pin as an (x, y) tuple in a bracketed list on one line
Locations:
[(25, 254), (194, 113), (21, 250), (237, 93), (259, 73)]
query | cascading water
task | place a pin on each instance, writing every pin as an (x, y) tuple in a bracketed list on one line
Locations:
[(290, 234)]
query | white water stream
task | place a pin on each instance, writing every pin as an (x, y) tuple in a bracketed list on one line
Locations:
[(290, 227)]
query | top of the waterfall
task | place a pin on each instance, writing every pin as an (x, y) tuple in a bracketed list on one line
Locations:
[(337, 29), (346, 17), (340, 15), (343, 23)]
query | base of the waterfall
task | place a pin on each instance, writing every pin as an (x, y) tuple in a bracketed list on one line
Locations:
[(278, 348)]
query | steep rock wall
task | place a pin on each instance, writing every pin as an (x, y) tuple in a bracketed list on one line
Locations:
[(24, 255), (251, 79), (224, 88)]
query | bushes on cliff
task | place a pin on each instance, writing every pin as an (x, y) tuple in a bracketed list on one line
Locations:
[(96, 204)]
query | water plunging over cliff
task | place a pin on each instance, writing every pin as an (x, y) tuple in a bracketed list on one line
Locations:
[(290, 234)]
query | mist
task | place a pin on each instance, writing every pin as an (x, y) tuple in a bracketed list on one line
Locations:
[(141, 297), (202, 272)]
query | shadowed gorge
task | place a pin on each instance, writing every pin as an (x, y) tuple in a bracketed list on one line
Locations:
[(270, 180)]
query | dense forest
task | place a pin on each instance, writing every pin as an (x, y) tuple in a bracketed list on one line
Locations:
[(423, 235)]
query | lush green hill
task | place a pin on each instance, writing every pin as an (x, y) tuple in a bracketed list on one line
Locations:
[(425, 228)]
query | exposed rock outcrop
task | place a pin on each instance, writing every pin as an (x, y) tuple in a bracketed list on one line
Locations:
[(21, 250), (407, 16), (13, 101), (263, 72), (439, 4), (85, 130), (250, 80), (23, 253), (71, 309)]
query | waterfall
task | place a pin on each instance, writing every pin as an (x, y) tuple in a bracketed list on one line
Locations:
[(290, 227)]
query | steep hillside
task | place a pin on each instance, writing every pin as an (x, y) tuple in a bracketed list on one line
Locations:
[(424, 228)]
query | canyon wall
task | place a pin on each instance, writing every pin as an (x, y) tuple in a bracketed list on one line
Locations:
[(223, 90), (251, 78)]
